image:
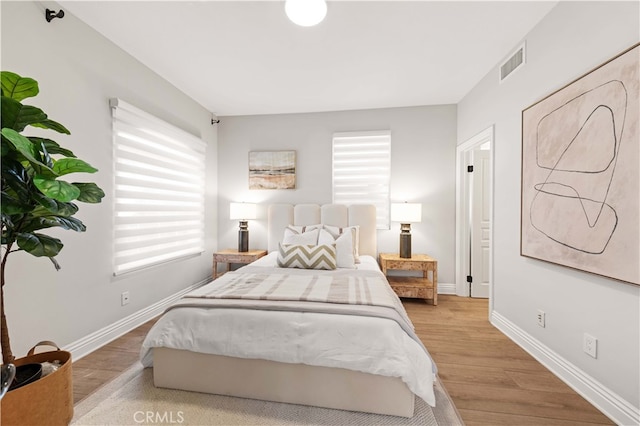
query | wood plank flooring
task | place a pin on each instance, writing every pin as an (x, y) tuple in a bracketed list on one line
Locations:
[(100, 367), (491, 380)]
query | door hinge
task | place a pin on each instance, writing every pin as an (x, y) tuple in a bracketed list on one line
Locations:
[(469, 169), (469, 279)]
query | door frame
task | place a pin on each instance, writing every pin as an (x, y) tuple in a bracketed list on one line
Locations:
[(463, 193)]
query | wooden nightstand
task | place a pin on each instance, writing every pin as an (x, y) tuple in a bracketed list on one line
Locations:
[(425, 287), (229, 256)]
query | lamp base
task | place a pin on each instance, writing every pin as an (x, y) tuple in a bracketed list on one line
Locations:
[(243, 237), (405, 241)]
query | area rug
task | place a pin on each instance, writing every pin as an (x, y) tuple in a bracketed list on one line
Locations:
[(132, 399)]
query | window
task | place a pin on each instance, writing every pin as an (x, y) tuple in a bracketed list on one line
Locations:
[(362, 169), (159, 177)]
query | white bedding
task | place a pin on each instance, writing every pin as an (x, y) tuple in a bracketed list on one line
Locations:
[(367, 344)]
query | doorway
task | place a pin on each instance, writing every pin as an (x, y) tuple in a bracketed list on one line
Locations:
[(474, 201)]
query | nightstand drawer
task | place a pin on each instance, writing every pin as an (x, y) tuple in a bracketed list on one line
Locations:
[(408, 265)]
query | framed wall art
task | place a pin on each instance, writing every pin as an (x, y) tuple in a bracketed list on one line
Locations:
[(272, 170), (580, 172)]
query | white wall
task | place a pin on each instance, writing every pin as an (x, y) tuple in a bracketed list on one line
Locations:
[(572, 39), (78, 71), (423, 143)]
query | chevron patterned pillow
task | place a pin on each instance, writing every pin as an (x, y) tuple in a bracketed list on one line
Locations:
[(307, 257)]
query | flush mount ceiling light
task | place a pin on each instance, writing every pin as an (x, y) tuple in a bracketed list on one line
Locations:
[(306, 13)]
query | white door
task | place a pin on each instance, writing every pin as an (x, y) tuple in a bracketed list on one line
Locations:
[(480, 222)]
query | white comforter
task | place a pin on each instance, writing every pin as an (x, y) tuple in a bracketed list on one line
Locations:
[(361, 343)]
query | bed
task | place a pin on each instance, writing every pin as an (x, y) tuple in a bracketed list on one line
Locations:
[(231, 338)]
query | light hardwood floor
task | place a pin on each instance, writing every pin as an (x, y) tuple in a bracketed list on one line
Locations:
[(491, 380)]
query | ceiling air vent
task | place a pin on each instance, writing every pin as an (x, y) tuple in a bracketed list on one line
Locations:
[(514, 62)]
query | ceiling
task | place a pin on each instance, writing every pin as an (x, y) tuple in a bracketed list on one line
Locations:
[(246, 57)]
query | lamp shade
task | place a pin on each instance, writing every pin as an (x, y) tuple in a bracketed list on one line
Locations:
[(305, 13), (242, 211), (406, 212)]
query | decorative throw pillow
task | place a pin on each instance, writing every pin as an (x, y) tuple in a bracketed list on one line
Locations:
[(306, 238), (344, 247), (321, 256), (297, 229), (336, 231)]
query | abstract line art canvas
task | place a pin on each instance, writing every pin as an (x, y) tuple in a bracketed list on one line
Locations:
[(580, 172)]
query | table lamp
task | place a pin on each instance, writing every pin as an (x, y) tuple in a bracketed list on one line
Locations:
[(243, 212), (406, 213)]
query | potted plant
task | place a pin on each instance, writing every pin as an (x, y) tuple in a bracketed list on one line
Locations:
[(34, 197)]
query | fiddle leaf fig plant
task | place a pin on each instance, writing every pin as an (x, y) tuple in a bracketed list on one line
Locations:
[(34, 197)]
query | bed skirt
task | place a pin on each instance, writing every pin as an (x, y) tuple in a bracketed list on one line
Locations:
[(281, 382)]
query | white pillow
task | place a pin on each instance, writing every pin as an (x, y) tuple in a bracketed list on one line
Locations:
[(296, 229), (309, 238), (336, 231), (344, 247)]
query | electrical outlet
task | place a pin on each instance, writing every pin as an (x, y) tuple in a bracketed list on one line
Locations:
[(590, 345), (541, 318), (124, 298)]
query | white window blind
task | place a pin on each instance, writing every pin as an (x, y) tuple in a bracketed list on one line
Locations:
[(159, 173), (362, 170)]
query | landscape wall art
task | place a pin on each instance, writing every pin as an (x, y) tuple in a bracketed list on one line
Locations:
[(272, 170)]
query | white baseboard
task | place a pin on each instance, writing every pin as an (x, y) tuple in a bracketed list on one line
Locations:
[(83, 347), (446, 288), (612, 405)]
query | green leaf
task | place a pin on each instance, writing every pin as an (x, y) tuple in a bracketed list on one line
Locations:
[(38, 244), (50, 124), (43, 172), (56, 189), (16, 178), (23, 145), (65, 166), (18, 88), (50, 206), (70, 223), (12, 206), (17, 116), (4, 147), (52, 147), (89, 192), (10, 110)]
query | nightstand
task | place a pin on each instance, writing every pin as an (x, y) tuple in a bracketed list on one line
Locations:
[(229, 256), (424, 287)]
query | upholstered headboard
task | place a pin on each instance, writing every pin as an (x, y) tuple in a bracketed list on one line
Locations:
[(363, 215)]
